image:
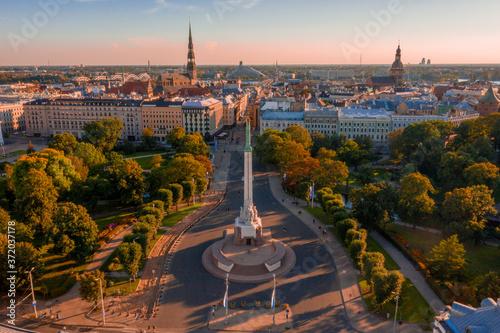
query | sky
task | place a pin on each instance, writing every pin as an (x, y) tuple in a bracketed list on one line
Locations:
[(131, 32)]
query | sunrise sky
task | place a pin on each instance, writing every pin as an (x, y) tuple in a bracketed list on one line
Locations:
[(131, 32)]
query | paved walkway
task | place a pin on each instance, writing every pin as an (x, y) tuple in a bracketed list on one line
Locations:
[(360, 319), (409, 272)]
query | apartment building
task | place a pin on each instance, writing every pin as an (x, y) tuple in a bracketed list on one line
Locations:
[(12, 117), (162, 115)]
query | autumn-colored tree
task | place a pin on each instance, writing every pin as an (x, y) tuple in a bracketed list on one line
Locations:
[(289, 152), (155, 162), (148, 138), (482, 174), (447, 258), (300, 135), (329, 173), (90, 287), (30, 148), (324, 153), (395, 139), (414, 202), (103, 133), (207, 164), (463, 211), (298, 171)]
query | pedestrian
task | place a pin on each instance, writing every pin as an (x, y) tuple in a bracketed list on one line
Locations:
[(154, 328), (314, 220), (149, 328), (319, 227), (282, 200)]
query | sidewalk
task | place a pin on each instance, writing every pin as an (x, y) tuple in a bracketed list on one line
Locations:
[(409, 272), (360, 319)]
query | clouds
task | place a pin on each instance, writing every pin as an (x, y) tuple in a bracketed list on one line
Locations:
[(162, 4), (209, 19)]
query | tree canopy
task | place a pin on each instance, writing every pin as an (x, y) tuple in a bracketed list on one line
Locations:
[(103, 133)]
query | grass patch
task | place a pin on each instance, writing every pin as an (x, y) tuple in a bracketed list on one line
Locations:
[(390, 161), (121, 286), (373, 246), (175, 217), (412, 307), (18, 152), (60, 273), (481, 259), (381, 174), (104, 221), (140, 153), (144, 162)]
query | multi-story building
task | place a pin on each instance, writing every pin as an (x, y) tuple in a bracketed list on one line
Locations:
[(1, 134), (203, 116), (228, 110), (372, 123), (48, 117), (162, 115), (253, 113), (323, 120), (280, 120), (12, 117)]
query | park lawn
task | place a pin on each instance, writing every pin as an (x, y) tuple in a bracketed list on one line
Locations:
[(103, 222), (481, 259), (412, 307), (373, 246), (389, 162), (423, 240), (174, 217), (59, 275), (18, 152), (140, 153), (381, 174), (121, 286), (144, 162), (318, 213)]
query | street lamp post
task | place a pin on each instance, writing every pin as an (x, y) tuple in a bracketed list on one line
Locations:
[(102, 302), (32, 291), (396, 313)]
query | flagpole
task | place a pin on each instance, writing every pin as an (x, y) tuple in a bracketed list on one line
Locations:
[(273, 299), (226, 296)]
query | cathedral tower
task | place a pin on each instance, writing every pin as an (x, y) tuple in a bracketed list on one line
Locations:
[(191, 65), (397, 68)]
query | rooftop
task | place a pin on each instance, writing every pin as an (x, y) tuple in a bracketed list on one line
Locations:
[(273, 115), (489, 96)]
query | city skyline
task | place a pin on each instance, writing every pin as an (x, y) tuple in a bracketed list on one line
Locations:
[(258, 32)]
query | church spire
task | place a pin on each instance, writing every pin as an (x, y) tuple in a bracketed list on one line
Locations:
[(191, 65)]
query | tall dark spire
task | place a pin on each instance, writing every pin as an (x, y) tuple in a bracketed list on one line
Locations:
[(191, 65)]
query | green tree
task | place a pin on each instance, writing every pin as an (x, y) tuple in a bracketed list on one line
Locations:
[(267, 144), (36, 200), (352, 154), (344, 226), (130, 257), (64, 142), (175, 136), (447, 258), (370, 261), (103, 133), (300, 135), (321, 192), (326, 154), (128, 180), (374, 204), (192, 144), (177, 194), (353, 234), (184, 167), (355, 250), (90, 191), (451, 168), (91, 157), (201, 186), (166, 196), (489, 286), (464, 209), (482, 174), (76, 224), (365, 175), (385, 285), (188, 190), (414, 202), (90, 290), (319, 141)]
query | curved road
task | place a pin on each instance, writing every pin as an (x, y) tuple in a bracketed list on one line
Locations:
[(311, 288)]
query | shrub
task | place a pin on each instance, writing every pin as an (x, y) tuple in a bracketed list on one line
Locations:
[(355, 250), (166, 196), (148, 219), (353, 234), (157, 204), (344, 225), (339, 216)]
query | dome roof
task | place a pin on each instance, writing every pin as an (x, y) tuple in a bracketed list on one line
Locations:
[(243, 70), (489, 96)]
